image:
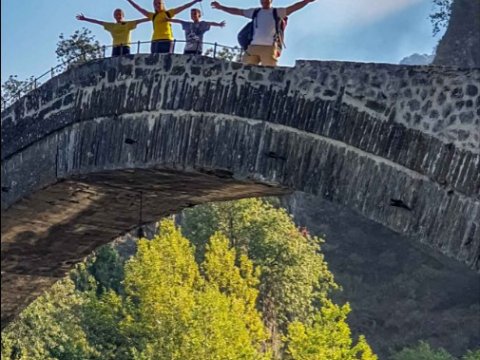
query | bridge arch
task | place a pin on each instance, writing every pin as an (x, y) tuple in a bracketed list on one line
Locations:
[(122, 141)]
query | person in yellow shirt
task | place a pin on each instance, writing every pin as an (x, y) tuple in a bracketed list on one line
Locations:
[(162, 38), (120, 30)]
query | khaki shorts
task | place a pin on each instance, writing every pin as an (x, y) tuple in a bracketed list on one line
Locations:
[(261, 54)]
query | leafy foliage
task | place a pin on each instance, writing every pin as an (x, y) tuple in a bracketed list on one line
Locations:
[(294, 276), (422, 351), (80, 47), (13, 89), (173, 300), (165, 303), (49, 328), (183, 314), (225, 53), (441, 15), (327, 336), (472, 355)]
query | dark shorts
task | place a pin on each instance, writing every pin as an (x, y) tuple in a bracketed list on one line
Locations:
[(120, 50), (161, 47), (193, 52)]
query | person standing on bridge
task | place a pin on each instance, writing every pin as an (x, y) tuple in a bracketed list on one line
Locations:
[(162, 38), (120, 30), (265, 39), (194, 31)]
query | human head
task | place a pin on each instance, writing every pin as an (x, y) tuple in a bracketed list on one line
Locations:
[(266, 4), (195, 15), (159, 5), (118, 15)]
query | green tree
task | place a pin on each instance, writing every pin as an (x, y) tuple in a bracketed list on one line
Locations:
[(422, 351), (442, 10), (226, 53), (167, 304), (237, 283), (472, 355), (327, 336), (49, 328), (80, 47), (106, 320), (294, 276), (180, 314), (108, 269), (13, 89)]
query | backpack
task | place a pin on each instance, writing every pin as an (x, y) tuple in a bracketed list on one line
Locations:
[(245, 35)]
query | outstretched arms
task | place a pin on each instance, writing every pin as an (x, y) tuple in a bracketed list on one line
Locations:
[(230, 10), (220, 24), (211, 23), (183, 7), (176, 21), (82, 17), (297, 6), (139, 8), (139, 21)]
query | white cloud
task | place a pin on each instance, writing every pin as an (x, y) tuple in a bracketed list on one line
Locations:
[(343, 14)]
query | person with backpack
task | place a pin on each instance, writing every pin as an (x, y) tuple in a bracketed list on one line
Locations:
[(120, 30), (162, 38), (262, 38), (194, 31)]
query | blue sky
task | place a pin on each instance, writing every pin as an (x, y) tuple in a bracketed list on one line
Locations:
[(348, 30)]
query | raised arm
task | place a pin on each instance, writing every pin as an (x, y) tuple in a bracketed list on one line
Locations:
[(297, 6), (139, 8), (230, 10), (186, 6), (82, 17), (220, 24), (176, 21), (139, 21)]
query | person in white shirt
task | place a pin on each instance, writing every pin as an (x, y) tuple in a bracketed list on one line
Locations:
[(264, 47)]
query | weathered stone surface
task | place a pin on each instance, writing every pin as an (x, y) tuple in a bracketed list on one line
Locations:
[(460, 46), (78, 152)]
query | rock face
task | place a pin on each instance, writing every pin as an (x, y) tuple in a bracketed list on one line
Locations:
[(118, 142), (460, 46)]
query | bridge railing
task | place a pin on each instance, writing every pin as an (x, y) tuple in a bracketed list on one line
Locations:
[(214, 50)]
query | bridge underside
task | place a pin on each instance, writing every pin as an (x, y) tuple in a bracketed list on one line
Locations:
[(47, 233)]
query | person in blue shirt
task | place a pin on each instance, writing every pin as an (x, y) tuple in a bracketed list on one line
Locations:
[(194, 31)]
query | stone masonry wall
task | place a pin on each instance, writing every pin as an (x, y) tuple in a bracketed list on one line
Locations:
[(397, 144)]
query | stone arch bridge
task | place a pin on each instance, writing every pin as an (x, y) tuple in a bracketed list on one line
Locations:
[(117, 142)]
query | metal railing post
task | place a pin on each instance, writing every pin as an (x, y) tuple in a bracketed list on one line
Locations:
[(214, 50), (174, 43), (104, 51), (52, 72), (138, 47)]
